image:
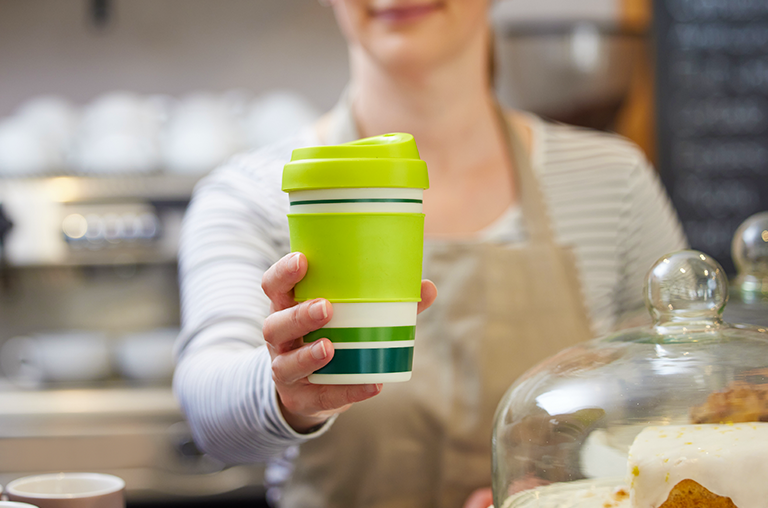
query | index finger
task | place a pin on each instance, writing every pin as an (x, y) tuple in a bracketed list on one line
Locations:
[(428, 295), (279, 279)]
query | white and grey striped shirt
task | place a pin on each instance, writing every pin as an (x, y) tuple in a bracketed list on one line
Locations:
[(604, 200)]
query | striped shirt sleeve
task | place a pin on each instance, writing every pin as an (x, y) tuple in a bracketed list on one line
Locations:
[(232, 232)]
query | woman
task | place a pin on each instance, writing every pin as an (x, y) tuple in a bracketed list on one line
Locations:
[(525, 220)]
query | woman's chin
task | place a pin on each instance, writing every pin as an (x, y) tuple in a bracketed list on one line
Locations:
[(406, 53)]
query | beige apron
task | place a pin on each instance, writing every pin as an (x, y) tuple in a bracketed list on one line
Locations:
[(427, 442)]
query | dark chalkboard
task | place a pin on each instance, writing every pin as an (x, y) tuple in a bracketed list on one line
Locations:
[(712, 116)]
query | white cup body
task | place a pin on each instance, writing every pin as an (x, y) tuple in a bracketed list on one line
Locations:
[(371, 315), (68, 490), (380, 326)]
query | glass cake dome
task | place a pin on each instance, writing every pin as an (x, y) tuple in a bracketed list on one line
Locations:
[(749, 290), (562, 432)]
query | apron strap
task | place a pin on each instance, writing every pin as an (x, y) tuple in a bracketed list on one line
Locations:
[(535, 213)]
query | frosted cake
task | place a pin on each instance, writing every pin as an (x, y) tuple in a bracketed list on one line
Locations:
[(710, 465)]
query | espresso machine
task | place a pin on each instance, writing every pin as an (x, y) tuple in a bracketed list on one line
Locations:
[(89, 309)]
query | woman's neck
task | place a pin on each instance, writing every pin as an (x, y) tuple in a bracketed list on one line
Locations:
[(448, 108), (450, 111)]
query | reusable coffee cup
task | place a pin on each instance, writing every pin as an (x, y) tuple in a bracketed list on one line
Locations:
[(68, 490), (356, 214)]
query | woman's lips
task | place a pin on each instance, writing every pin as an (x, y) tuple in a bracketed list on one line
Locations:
[(405, 13)]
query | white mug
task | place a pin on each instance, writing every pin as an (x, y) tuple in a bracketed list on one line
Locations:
[(68, 490)]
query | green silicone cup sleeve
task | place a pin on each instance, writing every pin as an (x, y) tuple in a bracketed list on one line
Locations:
[(359, 257)]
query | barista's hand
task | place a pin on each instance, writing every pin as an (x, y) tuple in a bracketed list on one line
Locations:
[(480, 498), (305, 405)]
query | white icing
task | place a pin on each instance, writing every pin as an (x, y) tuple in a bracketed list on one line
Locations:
[(727, 459), (600, 458)]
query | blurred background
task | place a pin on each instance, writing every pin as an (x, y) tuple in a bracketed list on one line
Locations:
[(112, 110)]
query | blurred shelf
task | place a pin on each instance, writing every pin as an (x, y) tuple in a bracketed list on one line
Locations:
[(63, 189), (20, 403)]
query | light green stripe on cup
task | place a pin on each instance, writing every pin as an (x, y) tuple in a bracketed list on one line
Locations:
[(373, 334)]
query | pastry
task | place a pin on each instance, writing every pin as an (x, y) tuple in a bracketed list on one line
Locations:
[(739, 402)]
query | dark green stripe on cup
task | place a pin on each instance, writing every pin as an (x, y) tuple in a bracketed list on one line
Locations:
[(369, 361), (373, 334), (360, 200)]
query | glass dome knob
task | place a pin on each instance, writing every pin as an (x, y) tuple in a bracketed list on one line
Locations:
[(750, 246), (686, 286)]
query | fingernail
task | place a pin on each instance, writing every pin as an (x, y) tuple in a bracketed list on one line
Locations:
[(318, 350), (317, 311), (372, 388), (296, 258)]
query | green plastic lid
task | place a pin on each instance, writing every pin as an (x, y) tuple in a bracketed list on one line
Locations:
[(389, 160)]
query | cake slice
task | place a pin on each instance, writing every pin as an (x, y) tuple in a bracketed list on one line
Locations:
[(690, 494), (702, 466)]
